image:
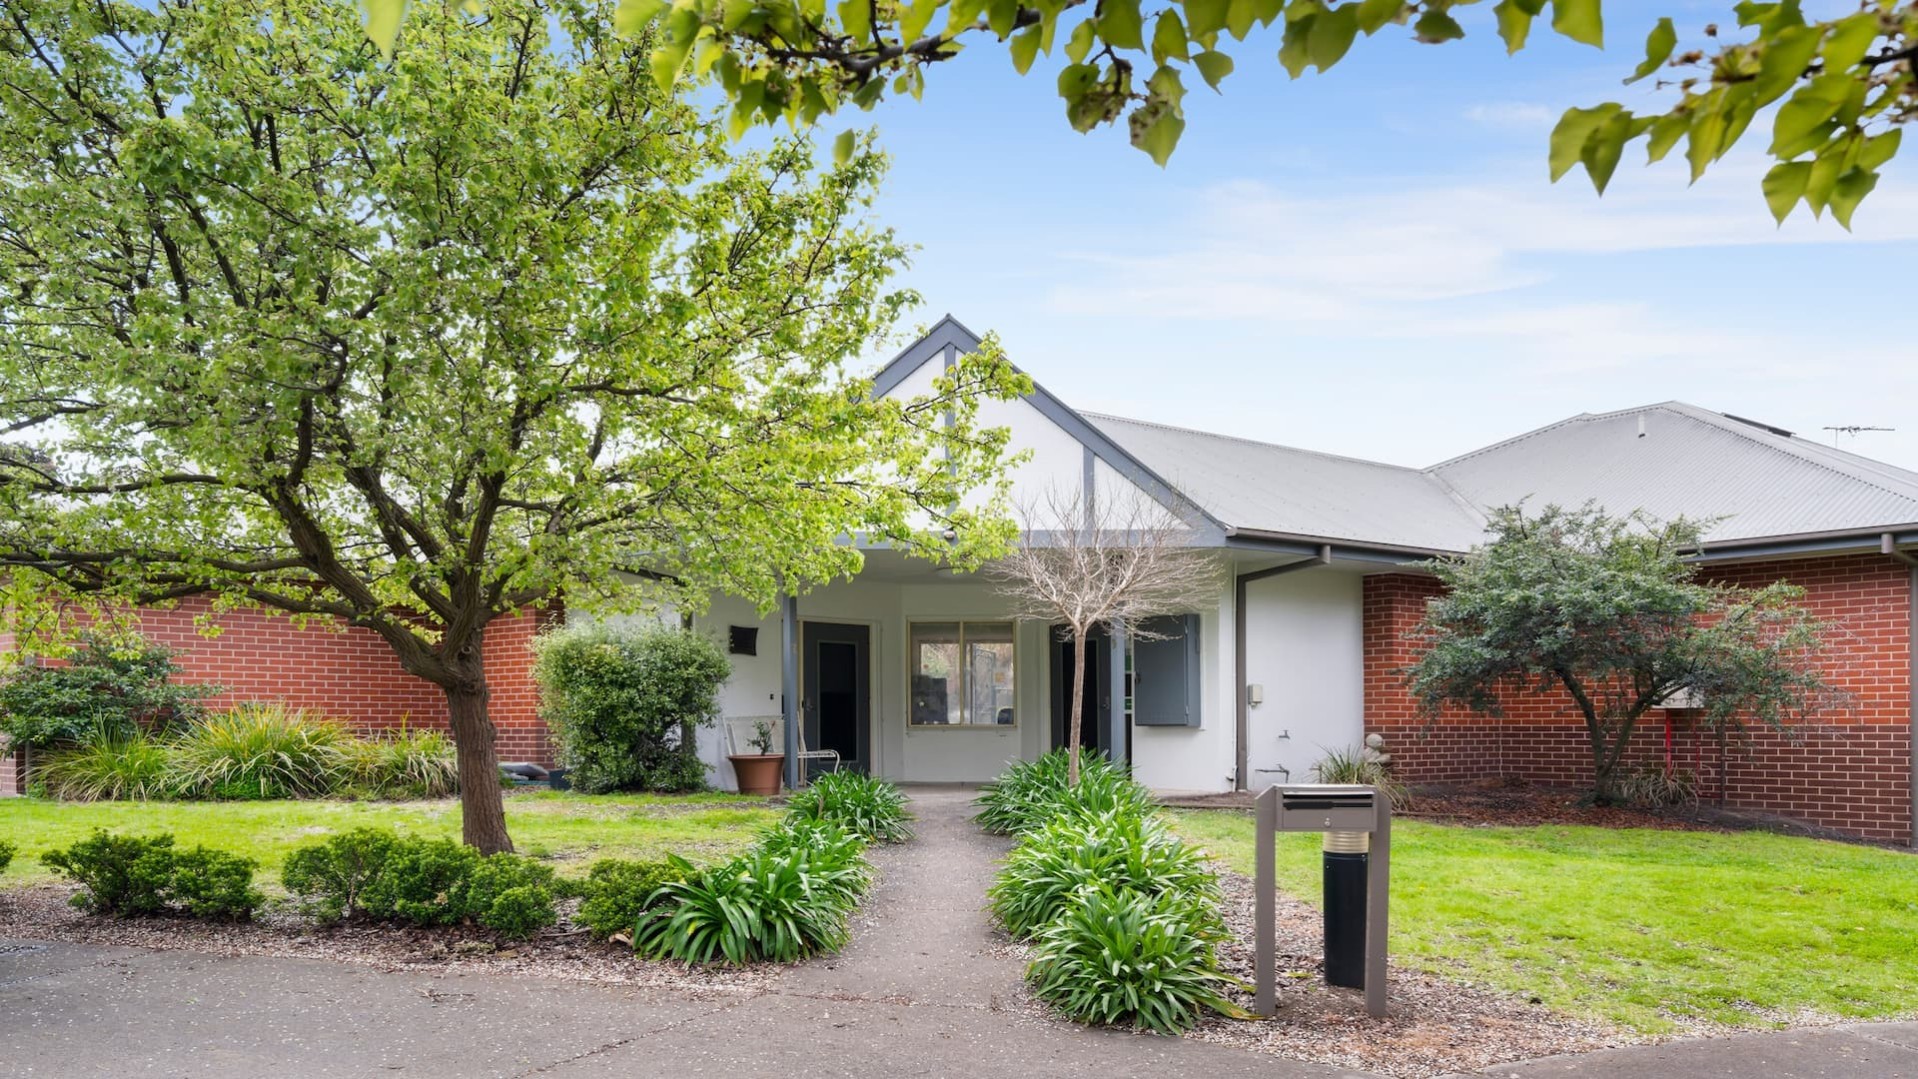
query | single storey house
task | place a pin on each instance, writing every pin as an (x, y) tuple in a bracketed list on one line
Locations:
[(918, 673)]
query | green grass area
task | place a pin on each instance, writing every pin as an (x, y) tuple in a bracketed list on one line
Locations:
[(570, 829), (1638, 926)]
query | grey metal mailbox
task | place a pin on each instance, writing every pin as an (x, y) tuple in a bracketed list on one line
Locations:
[(1355, 817)]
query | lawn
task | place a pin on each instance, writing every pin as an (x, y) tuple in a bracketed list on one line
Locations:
[(570, 829), (1642, 927)]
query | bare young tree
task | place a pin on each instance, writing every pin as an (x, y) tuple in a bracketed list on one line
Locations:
[(1087, 563)]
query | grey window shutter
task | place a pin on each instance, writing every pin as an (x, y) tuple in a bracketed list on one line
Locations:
[(1165, 673)]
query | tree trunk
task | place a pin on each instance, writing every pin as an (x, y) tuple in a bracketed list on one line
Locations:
[(1078, 705), (482, 809)]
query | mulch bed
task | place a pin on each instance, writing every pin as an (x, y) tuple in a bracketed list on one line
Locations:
[(42, 913)]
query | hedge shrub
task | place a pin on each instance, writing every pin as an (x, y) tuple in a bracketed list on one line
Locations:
[(112, 686), (424, 882), (123, 875), (618, 891), (7, 851), (623, 704)]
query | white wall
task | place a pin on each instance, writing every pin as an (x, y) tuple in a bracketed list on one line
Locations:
[(1305, 645), (1197, 759)]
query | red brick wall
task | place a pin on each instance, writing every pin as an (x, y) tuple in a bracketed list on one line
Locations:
[(1850, 770), (350, 673)]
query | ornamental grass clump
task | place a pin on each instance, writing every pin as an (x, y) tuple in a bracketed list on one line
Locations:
[(111, 765), (861, 804), (265, 750), (775, 905), (403, 763), (1054, 868), (1123, 957)]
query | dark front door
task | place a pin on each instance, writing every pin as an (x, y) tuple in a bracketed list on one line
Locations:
[(838, 675), (1096, 709)]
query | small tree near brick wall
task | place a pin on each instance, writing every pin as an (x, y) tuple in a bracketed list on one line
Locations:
[(1607, 610)]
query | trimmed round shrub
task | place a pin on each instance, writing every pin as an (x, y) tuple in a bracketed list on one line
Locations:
[(264, 750), (618, 891), (1121, 957), (332, 878), (111, 765), (623, 704), (508, 893), (120, 875), (125, 875), (415, 883), (7, 851), (1053, 869), (214, 884), (862, 804)]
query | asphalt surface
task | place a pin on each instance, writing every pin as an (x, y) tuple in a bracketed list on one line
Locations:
[(923, 990)]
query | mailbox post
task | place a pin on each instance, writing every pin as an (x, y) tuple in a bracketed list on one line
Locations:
[(1323, 808)]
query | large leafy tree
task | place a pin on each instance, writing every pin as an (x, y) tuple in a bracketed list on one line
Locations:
[(413, 342), (1847, 82), (1606, 611)]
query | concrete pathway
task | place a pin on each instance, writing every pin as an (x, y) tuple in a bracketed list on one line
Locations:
[(923, 990)]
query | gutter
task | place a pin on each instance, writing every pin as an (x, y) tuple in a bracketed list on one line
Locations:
[(1888, 544), (1242, 735)]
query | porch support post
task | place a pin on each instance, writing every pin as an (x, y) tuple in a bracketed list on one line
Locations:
[(1113, 738), (789, 684)]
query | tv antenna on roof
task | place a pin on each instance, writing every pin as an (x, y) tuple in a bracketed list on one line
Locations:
[(1852, 429)]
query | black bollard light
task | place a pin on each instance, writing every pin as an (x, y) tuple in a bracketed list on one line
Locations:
[(1346, 861)]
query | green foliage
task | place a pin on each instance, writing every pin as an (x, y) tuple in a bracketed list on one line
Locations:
[(1124, 957), (332, 877), (1847, 81), (111, 766), (1056, 868), (264, 750), (770, 905), (7, 851), (623, 704), (338, 414), (403, 763), (111, 687), (213, 884), (863, 805), (1607, 610), (618, 891), (1355, 765), (422, 881), (124, 876), (1029, 793)]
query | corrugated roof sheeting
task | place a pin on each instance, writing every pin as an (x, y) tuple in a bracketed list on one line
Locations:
[(1280, 489), (1688, 461), (1693, 463)]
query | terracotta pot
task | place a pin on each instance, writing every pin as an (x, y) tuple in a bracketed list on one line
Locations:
[(758, 773)]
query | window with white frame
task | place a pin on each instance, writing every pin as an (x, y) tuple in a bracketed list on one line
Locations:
[(962, 674)]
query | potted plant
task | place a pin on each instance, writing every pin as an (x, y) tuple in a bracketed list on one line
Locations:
[(758, 773)]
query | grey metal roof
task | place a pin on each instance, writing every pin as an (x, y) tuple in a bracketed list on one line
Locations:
[(1760, 481), (1262, 487), (1672, 458)]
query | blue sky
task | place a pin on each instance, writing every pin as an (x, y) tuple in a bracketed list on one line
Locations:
[(1372, 261)]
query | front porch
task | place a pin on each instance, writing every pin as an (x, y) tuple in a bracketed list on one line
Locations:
[(918, 674)]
